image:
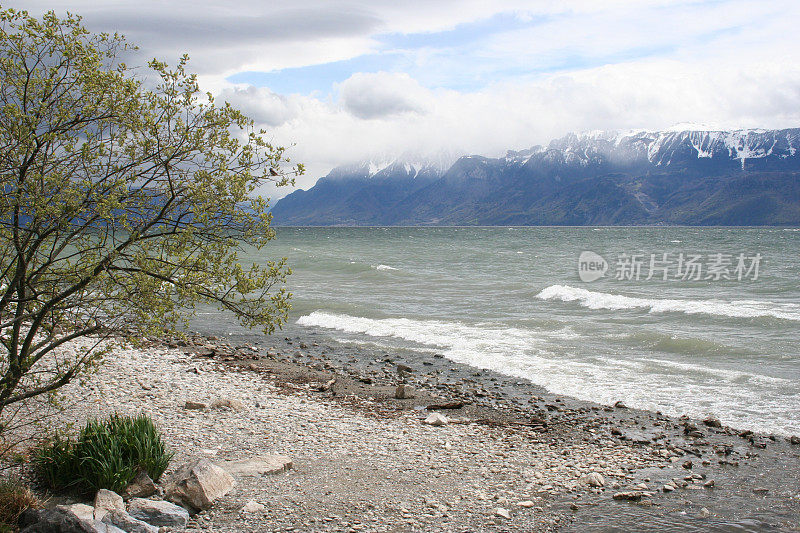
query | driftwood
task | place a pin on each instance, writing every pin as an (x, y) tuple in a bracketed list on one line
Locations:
[(448, 405)]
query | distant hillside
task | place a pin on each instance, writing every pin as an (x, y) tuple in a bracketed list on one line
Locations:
[(745, 177)]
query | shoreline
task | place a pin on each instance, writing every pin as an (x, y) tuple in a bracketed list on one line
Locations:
[(365, 461), (736, 463)]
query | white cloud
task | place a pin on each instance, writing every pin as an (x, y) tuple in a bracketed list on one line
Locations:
[(382, 95), (645, 94), (262, 105)]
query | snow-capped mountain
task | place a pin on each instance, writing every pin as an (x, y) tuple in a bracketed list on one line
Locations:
[(691, 176), (408, 164), (747, 149)]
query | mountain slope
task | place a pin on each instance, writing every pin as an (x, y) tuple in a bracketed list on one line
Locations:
[(745, 177)]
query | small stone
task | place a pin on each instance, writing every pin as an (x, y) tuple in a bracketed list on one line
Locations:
[(158, 513), (141, 487), (794, 439), (709, 484), (228, 403), (704, 513), (687, 465), (712, 421), (668, 487), (105, 501), (127, 523), (527, 504), (760, 490), (404, 392), (195, 406), (573, 506), (252, 507), (620, 405), (594, 479), (502, 513), (640, 486), (628, 496), (436, 419)]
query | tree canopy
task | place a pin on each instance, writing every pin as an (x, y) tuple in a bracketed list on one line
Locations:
[(127, 195)]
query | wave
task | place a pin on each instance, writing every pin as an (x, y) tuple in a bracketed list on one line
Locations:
[(735, 308), (546, 358), (384, 267)]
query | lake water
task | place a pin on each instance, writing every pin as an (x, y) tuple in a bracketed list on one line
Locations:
[(512, 300)]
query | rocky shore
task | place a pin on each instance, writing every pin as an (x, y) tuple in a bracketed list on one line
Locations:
[(402, 444)]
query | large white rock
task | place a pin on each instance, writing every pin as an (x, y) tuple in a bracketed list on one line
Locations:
[(105, 501), (197, 484), (258, 466), (158, 513)]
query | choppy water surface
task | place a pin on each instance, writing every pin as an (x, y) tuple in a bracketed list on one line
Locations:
[(511, 300)]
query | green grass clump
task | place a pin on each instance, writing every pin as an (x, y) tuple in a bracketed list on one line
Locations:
[(14, 499), (107, 454)]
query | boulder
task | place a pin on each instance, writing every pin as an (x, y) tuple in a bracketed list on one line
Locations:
[(197, 484), (81, 510), (141, 487), (403, 392), (258, 466), (436, 419), (60, 521), (712, 421), (158, 513), (107, 500), (127, 523)]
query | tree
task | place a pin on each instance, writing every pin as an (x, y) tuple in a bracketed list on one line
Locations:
[(126, 197)]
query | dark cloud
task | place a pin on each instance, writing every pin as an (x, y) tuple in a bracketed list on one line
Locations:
[(217, 38)]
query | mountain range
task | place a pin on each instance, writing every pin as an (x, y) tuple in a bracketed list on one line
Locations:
[(686, 177)]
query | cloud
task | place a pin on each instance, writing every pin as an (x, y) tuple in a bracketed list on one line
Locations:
[(262, 105), (381, 95), (387, 77), (653, 94)]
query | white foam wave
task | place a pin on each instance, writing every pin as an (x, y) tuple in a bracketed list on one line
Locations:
[(384, 267), (735, 308), (730, 375), (545, 358)]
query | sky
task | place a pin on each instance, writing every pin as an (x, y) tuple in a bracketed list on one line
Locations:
[(338, 82)]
